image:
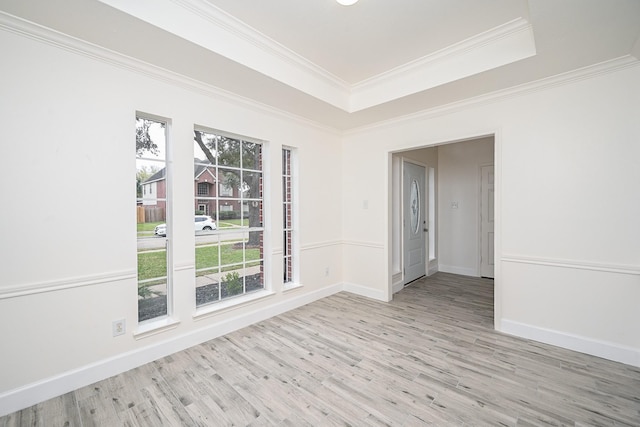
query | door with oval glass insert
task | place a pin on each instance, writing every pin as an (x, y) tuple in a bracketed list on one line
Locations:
[(415, 229)]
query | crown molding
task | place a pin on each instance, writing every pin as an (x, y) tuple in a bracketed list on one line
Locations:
[(42, 34), (502, 45), (206, 25), (234, 26), (22, 27), (590, 71), (479, 40)]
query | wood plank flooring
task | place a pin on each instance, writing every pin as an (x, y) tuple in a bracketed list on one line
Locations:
[(430, 357)]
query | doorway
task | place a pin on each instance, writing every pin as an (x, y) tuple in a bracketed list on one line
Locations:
[(457, 231), (461, 237)]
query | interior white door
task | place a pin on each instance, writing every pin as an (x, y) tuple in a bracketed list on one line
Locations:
[(486, 221), (414, 222)]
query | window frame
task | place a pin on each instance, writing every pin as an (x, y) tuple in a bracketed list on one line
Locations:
[(151, 325), (291, 279), (217, 200)]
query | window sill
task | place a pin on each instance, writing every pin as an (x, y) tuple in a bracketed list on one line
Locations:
[(232, 303), (291, 286), (155, 327)]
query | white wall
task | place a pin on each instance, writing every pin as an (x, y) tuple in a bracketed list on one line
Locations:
[(459, 184), (68, 214), (567, 205)]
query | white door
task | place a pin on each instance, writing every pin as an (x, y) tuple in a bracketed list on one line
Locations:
[(486, 221), (414, 222)]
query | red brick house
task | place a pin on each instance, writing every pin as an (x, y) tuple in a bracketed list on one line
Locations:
[(206, 189)]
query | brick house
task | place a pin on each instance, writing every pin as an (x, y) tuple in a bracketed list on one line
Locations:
[(206, 188)]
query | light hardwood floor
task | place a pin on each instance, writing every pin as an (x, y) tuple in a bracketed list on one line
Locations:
[(429, 357)]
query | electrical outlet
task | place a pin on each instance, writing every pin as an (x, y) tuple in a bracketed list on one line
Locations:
[(119, 327), (326, 271)]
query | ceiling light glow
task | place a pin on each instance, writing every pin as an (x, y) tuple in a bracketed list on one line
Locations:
[(347, 2)]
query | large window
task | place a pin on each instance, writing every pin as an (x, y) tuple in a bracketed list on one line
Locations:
[(152, 201), (287, 213), (229, 258)]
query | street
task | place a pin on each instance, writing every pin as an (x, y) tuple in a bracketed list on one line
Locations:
[(152, 242)]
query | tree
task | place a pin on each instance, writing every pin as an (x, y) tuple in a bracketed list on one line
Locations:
[(143, 137), (142, 174)]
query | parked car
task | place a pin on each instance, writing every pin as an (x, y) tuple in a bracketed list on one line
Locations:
[(201, 223)]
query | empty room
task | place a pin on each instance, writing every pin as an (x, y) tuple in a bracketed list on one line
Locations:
[(344, 213)]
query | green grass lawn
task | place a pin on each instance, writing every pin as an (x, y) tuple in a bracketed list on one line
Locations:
[(227, 223), (152, 264), (147, 227)]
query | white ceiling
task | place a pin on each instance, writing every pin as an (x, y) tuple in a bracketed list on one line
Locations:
[(358, 42), (346, 67)]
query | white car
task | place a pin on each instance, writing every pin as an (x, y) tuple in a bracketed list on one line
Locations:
[(201, 223)]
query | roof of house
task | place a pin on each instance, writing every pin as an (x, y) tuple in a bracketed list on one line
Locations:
[(199, 167)]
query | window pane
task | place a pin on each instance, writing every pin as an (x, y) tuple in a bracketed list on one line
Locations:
[(233, 282), (228, 151), (228, 182), (204, 148), (251, 155), (151, 204), (251, 187), (253, 277), (252, 214), (207, 269)]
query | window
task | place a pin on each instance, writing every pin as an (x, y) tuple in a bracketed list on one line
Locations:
[(229, 259), (151, 214), (287, 213), (203, 189)]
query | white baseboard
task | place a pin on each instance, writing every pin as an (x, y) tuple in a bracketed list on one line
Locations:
[(23, 397), (464, 271), (365, 291), (397, 284), (604, 349), (397, 287), (433, 270)]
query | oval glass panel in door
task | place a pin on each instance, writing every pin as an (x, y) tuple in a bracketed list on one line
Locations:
[(414, 200)]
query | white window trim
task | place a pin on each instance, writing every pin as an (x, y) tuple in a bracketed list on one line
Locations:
[(208, 310), (162, 323), (214, 307), (295, 212)]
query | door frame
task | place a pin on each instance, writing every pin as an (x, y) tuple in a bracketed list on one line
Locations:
[(480, 201), (497, 162)]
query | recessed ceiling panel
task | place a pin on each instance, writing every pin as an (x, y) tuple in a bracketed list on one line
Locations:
[(371, 37)]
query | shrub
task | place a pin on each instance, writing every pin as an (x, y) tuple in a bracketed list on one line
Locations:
[(233, 283), (145, 291), (229, 215)]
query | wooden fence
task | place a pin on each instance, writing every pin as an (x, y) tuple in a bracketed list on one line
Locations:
[(149, 214)]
